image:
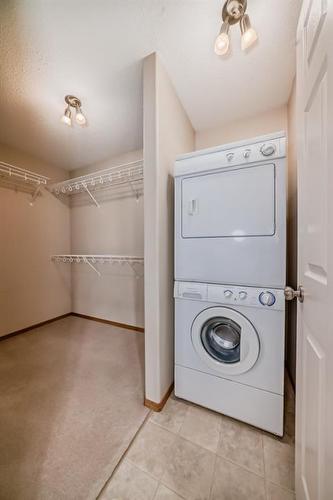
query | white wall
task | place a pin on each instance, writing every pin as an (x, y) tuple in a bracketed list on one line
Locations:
[(167, 133), (274, 120), (114, 228), (32, 288)]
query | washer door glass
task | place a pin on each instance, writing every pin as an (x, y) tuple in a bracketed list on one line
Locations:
[(225, 340), (221, 338)]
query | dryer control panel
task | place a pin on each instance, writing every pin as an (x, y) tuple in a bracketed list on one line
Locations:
[(231, 295), (259, 150)]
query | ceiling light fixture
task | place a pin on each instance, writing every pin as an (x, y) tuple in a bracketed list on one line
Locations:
[(75, 103), (233, 12)]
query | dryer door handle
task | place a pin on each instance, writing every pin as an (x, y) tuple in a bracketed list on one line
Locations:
[(193, 208)]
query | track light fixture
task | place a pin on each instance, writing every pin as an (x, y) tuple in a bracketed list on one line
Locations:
[(75, 103), (233, 12)]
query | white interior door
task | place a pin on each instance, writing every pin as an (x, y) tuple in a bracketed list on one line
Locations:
[(314, 387)]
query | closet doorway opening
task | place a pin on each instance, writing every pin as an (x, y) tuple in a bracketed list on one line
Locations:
[(71, 322)]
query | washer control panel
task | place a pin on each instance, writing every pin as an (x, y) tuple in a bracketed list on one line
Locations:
[(267, 298), (230, 295)]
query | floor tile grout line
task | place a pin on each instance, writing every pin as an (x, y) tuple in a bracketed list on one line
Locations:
[(243, 467), (280, 486), (185, 439), (162, 427), (181, 496), (157, 488), (215, 459), (267, 479), (246, 469), (213, 477), (148, 421), (264, 460), (122, 458), (141, 469), (167, 428), (181, 426)]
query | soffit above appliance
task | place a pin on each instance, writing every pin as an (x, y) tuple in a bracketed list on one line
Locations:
[(233, 12)]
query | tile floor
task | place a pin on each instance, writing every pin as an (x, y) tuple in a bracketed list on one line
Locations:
[(188, 452)]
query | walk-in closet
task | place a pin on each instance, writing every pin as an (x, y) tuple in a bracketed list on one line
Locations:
[(86, 307), (72, 268)]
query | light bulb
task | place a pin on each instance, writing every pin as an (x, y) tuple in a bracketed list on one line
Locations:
[(222, 42), (248, 39), (249, 35), (80, 118), (66, 117), (66, 120)]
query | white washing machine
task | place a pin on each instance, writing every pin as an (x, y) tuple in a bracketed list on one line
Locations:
[(230, 214), (229, 351)]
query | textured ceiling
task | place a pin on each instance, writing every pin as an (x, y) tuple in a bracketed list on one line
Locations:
[(94, 49)]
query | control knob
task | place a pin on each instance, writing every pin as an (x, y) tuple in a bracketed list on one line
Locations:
[(268, 149), (247, 153), (242, 295), (228, 294), (267, 298)]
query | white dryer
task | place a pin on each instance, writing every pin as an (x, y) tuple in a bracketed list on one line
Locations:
[(230, 214), (229, 351)]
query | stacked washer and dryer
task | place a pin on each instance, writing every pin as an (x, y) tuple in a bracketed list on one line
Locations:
[(230, 270)]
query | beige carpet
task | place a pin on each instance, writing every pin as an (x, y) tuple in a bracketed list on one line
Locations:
[(71, 400)]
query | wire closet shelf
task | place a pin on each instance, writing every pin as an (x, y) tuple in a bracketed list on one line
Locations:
[(127, 174), (20, 176), (91, 260)]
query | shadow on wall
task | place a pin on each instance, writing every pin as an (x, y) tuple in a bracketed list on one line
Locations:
[(104, 196), (101, 196), (292, 229), (116, 295)]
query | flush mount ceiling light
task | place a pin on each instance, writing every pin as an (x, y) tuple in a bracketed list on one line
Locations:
[(75, 103), (233, 12)]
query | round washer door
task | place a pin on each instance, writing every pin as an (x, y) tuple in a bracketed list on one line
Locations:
[(225, 340)]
